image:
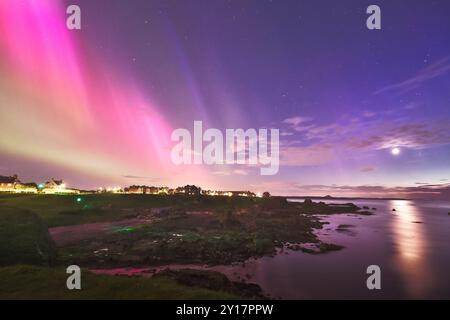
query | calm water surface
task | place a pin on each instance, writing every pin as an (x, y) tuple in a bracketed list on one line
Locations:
[(411, 245)]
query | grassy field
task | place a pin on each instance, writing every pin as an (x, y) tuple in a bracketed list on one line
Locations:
[(28, 254), (24, 238), (59, 210), (31, 282), (199, 230)]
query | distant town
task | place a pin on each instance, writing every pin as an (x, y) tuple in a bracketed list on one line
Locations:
[(12, 184)]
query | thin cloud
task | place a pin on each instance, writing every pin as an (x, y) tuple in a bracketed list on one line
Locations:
[(221, 173), (438, 191), (409, 135), (290, 188), (295, 121), (369, 114), (435, 70), (240, 172), (320, 144), (137, 177), (306, 156)]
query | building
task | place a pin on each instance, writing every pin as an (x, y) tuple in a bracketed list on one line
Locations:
[(7, 184), (135, 189), (26, 188), (243, 193), (148, 190), (192, 190), (57, 186), (13, 184), (151, 190), (229, 193)]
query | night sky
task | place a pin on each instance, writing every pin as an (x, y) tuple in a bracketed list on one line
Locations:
[(96, 107)]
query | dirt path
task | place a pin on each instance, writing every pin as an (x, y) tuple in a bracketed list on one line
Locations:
[(71, 234)]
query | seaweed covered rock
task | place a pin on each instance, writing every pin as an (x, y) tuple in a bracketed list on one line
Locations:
[(310, 207), (212, 280)]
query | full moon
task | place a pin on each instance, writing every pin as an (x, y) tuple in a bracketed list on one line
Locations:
[(395, 151)]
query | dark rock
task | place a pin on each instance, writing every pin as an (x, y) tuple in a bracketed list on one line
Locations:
[(344, 226), (213, 280), (365, 213)]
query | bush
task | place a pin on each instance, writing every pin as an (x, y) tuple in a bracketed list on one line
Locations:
[(274, 203)]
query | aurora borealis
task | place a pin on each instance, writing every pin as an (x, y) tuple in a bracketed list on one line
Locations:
[(63, 107), (97, 106)]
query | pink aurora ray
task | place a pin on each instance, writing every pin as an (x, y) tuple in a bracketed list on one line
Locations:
[(80, 113)]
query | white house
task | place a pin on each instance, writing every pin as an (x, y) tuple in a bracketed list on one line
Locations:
[(57, 186)]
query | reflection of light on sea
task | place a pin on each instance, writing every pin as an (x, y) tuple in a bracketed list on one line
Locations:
[(410, 239)]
